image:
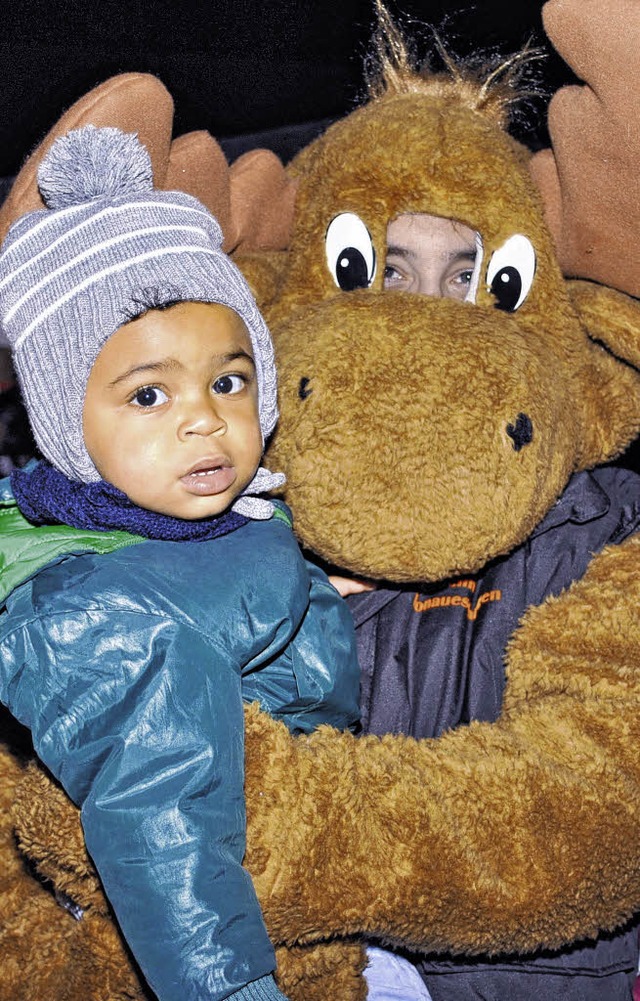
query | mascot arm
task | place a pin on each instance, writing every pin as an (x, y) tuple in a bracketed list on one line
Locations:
[(495, 837)]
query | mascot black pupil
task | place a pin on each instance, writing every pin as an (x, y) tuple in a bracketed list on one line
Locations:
[(507, 286), (351, 272)]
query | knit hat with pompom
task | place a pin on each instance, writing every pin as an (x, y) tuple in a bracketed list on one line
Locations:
[(108, 246)]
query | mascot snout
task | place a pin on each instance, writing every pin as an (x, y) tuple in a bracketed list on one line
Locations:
[(464, 380)]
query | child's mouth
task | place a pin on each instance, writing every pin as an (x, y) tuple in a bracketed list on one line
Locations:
[(209, 478)]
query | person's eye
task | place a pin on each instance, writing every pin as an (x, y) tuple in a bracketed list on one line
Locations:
[(149, 396), (392, 277), (463, 277), (226, 385)]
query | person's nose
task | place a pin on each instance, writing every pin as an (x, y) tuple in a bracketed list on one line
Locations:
[(428, 283), (202, 416)]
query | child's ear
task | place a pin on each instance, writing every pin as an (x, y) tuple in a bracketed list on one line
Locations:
[(132, 102)]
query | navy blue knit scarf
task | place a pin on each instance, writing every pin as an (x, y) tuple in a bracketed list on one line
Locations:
[(47, 497)]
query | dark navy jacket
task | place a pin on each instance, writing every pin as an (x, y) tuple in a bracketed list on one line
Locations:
[(434, 660)]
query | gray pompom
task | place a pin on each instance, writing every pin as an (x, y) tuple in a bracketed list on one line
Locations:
[(91, 163)]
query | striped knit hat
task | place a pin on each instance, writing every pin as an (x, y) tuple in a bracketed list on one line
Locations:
[(73, 273)]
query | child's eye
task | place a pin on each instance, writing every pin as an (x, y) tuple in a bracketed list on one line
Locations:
[(227, 384), (149, 396)]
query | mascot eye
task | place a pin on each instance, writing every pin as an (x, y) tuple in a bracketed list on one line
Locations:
[(510, 273), (350, 254)]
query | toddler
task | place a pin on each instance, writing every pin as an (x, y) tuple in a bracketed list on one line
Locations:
[(147, 587)]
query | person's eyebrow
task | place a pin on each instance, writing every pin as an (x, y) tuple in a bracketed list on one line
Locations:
[(173, 364), (224, 359), (465, 253), (162, 365), (400, 252)]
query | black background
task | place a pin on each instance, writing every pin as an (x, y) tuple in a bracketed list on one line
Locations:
[(271, 73), (268, 74)]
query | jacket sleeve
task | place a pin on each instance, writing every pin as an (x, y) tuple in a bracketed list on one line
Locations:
[(502, 837), (142, 724), (316, 678)]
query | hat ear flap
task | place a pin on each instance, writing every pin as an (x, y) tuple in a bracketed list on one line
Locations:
[(611, 380)]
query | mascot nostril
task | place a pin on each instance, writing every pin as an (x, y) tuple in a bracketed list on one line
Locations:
[(304, 389), (521, 433)]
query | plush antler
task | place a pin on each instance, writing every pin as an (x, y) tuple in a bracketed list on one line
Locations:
[(589, 178), (262, 202), (134, 102), (253, 199)]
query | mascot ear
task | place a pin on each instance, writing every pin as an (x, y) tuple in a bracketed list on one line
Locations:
[(609, 317), (611, 379)]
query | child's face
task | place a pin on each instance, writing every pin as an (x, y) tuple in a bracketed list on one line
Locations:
[(171, 410)]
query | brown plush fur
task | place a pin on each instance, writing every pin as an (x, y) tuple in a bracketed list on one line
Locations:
[(46, 953), (351, 458), (494, 838)]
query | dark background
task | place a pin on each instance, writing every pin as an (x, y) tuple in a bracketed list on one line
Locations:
[(270, 74)]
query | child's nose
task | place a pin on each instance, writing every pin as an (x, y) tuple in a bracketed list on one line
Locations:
[(202, 417)]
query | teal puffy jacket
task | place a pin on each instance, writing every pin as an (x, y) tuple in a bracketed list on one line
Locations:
[(129, 661)]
